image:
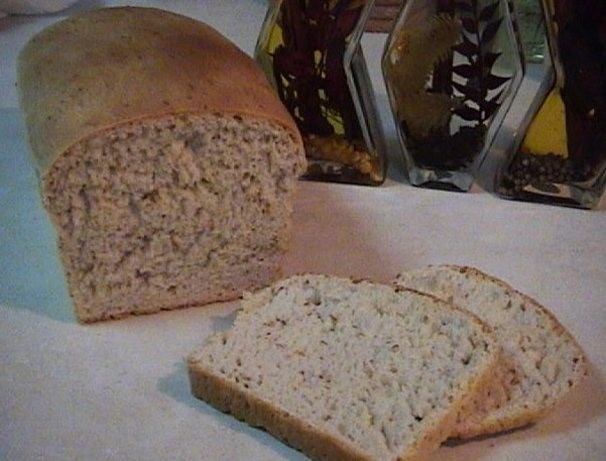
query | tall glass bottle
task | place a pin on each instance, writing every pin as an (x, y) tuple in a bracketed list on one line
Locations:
[(310, 50), (451, 68), (560, 157)]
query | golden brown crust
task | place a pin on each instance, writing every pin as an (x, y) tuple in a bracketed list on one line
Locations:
[(106, 67)]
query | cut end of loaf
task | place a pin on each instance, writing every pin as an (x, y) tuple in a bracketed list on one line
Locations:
[(346, 370), (173, 211)]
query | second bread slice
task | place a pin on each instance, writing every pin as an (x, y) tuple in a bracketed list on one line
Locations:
[(346, 370), (540, 363)]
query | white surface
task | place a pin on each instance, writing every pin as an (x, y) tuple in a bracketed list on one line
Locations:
[(34, 6), (119, 390)]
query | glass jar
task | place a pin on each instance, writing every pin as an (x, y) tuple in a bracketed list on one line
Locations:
[(451, 69), (561, 154), (529, 22), (310, 51)]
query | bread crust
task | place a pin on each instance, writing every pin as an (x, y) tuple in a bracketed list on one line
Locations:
[(232, 398), (103, 68)]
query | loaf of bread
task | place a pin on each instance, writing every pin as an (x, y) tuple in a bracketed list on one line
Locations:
[(167, 163), (346, 370), (540, 363)]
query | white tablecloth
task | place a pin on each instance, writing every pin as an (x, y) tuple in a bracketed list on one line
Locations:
[(119, 390)]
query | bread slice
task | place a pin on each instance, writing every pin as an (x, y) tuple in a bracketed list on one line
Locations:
[(541, 361), (346, 370), (167, 163)]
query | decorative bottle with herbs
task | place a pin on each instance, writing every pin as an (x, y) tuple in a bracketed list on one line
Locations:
[(451, 69), (560, 156), (310, 50)]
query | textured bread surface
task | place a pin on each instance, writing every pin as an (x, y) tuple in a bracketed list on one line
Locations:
[(167, 163), (346, 370), (540, 362)]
